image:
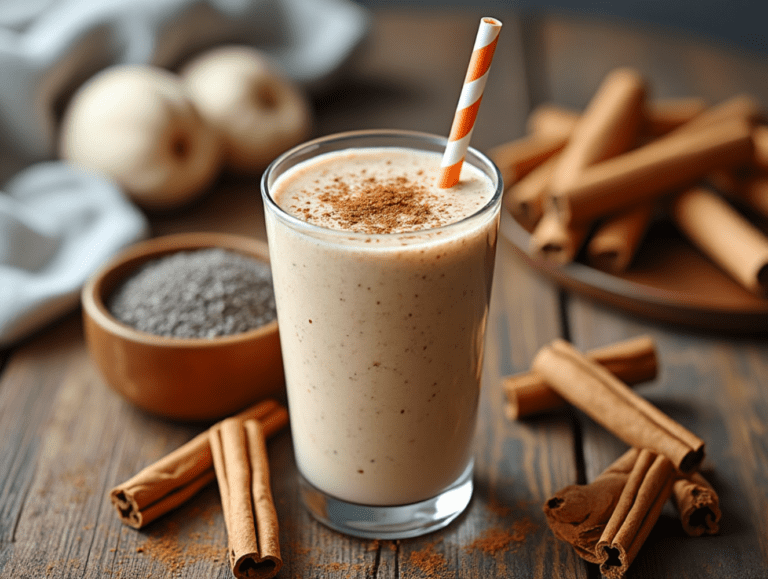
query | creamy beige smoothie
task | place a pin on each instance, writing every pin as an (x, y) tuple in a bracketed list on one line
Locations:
[(382, 312)]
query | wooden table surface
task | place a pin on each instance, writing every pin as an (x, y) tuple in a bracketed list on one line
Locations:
[(66, 438)]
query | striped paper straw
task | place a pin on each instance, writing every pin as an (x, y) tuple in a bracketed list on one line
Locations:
[(469, 102)]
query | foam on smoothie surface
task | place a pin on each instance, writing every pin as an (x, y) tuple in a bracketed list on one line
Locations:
[(380, 190)]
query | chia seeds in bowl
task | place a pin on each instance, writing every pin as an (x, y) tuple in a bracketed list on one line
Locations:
[(205, 293)]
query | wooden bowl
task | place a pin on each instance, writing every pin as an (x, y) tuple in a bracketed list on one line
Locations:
[(180, 378)]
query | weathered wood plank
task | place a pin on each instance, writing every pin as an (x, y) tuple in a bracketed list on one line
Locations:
[(65, 526), (27, 389)]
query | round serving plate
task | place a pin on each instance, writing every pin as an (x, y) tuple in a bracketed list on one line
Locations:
[(669, 280)]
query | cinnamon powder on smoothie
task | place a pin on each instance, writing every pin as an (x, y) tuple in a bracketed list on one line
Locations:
[(379, 191), (377, 206)]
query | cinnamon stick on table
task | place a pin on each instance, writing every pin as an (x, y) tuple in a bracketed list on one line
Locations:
[(610, 402), (633, 361), (648, 487), (578, 514), (242, 469), (698, 505), (175, 478)]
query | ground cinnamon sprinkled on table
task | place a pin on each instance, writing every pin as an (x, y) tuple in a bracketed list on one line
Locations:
[(376, 206), (299, 549), (351, 569), (165, 545), (430, 563), (496, 539)]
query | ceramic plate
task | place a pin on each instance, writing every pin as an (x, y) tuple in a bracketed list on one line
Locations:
[(669, 280)]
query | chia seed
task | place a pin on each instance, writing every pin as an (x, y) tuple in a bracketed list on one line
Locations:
[(197, 294)]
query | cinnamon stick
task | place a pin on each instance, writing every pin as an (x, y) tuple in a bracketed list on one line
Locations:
[(633, 361), (653, 170), (578, 514), (742, 107), (619, 97), (608, 126), (610, 402), (242, 470), (175, 478), (648, 487), (697, 504), (517, 158), (726, 237), (615, 242), (525, 199), (760, 143), (555, 240), (665, 115), (550, 127)]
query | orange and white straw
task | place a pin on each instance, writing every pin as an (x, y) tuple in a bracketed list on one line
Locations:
[(469, 102)]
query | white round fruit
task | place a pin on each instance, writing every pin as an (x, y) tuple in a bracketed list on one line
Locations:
[(137, 125), (258, 112)]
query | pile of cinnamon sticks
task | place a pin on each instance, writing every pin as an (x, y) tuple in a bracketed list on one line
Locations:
[(234, 452), (608, 520), (596, 180)]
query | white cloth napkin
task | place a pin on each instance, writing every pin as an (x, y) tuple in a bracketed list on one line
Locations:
[(57, 224)]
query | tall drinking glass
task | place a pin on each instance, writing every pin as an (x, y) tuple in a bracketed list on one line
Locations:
[(382, 340)]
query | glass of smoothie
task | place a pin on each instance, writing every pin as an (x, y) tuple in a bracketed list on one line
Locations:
[(382, 282)]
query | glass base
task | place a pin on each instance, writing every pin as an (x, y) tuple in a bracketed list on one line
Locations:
[(389, 522)]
